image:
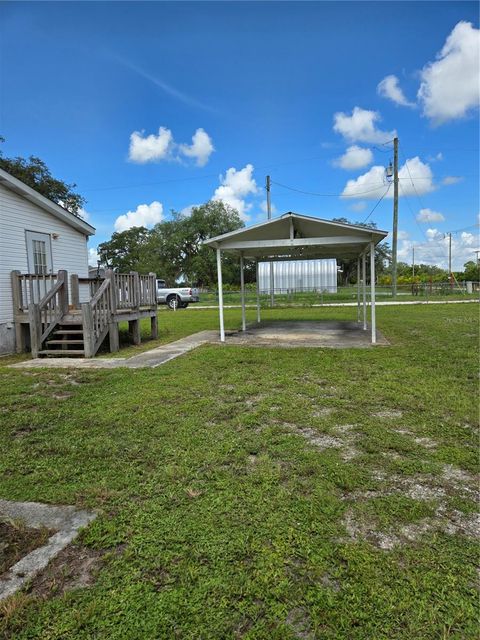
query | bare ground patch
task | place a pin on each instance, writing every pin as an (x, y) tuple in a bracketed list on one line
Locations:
[(434, 489), (388, 413), (343, 438), (75, 567)]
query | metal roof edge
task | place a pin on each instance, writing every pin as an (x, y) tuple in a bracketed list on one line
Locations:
[(229, 234)]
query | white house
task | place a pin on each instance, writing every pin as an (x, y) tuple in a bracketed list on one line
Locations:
[(37, 236)]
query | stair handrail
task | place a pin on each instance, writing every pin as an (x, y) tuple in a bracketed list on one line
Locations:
[(97, 315), (47, 313)]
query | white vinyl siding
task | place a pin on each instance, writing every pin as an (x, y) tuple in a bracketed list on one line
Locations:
[(18, 215)]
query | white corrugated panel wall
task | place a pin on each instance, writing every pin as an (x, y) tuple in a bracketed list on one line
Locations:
[(299, 275)]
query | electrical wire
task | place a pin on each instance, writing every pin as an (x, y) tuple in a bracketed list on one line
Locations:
[(328, 195), (379, 201)]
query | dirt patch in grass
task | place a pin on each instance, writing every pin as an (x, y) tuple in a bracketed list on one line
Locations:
[(17, 540), (388, 413), (75, 567), (421, 488), (299, 622)]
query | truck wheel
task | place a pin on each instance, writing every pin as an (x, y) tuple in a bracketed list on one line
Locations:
[(173, 301)]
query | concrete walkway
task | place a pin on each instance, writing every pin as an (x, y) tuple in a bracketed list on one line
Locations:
[(153, 358)]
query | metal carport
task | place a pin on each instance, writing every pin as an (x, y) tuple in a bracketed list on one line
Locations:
[(297, 237)]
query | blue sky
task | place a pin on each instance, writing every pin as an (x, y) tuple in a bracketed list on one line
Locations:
[(150, 107)]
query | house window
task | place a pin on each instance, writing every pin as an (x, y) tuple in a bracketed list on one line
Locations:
[(39, 257)]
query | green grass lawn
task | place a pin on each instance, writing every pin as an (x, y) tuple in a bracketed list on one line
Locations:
[(259, 493)]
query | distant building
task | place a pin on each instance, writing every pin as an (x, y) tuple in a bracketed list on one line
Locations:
[(299, 275)]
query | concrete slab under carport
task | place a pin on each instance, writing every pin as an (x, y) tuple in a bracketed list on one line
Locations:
[(304, 333)]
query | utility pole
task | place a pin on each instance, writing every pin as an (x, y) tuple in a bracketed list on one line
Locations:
[(395, 218), (413, 261), (450, 259), (269, 214)]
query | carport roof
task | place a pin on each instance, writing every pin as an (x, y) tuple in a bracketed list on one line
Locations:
[(297, 237)]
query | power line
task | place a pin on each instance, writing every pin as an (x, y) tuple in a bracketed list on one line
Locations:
[(379, 201), (328, 195)]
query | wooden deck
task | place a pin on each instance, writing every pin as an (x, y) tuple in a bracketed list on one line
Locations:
[(58, 316)]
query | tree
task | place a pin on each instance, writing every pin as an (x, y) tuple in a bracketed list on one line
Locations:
[(127, 250), (35, 173), (199, 263), (174, 249), (349, 266), (471, 271)]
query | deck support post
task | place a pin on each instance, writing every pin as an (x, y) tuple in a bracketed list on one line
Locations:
[(113, 337), (154, 327), (134, 331), (35, 321), (258, 292), (358, 289), (220, 295), (372, 293), (242, 292), (75, 291), (63, 293), (88, 333), (20, 343), (364, 289)]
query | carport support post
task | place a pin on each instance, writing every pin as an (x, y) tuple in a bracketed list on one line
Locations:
[(358, 289), (258, 292), (220, 295), (242, 292), (372, 292), (364, 287)]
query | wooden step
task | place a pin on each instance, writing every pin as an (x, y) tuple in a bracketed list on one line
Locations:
[(66, 341), (69, 331), (60, 353)]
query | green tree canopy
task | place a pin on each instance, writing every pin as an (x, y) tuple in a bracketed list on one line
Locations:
[(35, 173), (174, 249), (127, 250)]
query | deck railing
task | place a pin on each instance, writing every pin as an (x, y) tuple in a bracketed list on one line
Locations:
[(30, 287), (148, 290), (117, 296)]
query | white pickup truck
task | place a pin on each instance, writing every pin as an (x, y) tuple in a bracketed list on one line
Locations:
[(176, 298)]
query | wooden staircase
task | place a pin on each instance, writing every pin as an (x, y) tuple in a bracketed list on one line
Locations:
[(67, 340), (62, 326)]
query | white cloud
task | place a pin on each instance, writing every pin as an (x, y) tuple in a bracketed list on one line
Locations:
[(93, 256), (389, 88), (434, 250), (200, 149), (448, 180), (372, 185), (145, 215), (186, 212), (358, 206), (360, 126), (234, 187), (151, 148), (355, 157), (427, 215), (435, 158), (154, 148), (450, 86)]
